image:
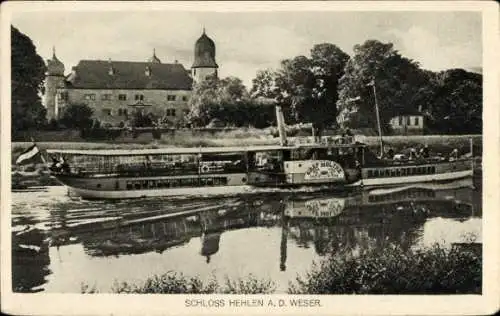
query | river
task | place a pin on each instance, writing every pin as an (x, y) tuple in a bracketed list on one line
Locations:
[(60, 243)]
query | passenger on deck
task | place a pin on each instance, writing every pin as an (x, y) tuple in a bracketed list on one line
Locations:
[(390, 154), (424, 152), (413, 154)]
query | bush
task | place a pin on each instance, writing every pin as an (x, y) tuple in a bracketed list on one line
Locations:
[(177, 283), (395, 271), (77, 116)]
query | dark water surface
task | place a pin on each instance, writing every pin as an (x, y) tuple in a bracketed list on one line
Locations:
[(60, 243)]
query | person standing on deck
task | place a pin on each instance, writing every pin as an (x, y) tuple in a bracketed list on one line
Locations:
[(424, 152)]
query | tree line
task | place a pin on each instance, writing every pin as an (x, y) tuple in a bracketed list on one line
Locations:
[(328, 88)]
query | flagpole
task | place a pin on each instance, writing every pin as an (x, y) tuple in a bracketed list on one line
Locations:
[(41, 155)]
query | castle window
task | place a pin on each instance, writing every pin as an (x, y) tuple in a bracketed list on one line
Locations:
[(106, 96), (170, 112), (139, 97), (184, 98), (400, 121), (122, 112), (106, 112), (90, 96), (416, 121), (170, 97), (62, 96), (408, 122), (122, 97)]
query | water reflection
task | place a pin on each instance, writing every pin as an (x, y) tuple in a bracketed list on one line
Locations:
[(321, 224)]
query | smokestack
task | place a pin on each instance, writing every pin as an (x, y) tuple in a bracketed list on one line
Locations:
[(281, 125)]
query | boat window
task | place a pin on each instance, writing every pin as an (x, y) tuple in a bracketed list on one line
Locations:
[(393, 172), (98, 185), (223, 181), (137, 185), (398, 172), (117, 185), (387, 173), (370, 173), (130, 186), (403, 172), (433, 169)]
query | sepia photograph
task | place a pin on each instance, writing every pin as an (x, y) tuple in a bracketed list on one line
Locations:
[(247, 157)]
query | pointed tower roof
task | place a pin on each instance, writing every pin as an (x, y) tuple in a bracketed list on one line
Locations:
[(54, 65), (204, 52), (154, 59)]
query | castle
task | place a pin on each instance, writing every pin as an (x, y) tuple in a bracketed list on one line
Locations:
[(115, 89)]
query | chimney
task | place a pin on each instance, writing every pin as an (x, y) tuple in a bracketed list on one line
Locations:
[(280, 120), (111, 70)]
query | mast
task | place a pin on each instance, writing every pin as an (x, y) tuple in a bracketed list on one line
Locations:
[(372, 84)]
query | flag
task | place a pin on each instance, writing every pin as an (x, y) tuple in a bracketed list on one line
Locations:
[(28, 155)]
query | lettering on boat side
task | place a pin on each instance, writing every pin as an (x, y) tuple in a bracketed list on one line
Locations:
[(323, 169), (325, 208)]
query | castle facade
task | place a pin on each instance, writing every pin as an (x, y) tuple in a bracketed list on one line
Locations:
[(116, 89)]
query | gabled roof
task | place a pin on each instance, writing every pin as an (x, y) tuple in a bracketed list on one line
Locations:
[(95, 74)]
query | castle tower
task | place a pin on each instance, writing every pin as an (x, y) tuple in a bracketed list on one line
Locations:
[(204, 59), (54, 78)]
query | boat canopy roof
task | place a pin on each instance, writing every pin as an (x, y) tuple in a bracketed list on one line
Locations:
[(190, 150)]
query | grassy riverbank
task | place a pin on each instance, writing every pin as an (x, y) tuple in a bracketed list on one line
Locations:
[(393, 270)]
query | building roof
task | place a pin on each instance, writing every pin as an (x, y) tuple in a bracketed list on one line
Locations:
[(96, 74), (54, 65), (204, 53)]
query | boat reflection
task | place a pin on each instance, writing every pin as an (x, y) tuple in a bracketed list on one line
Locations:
[(325, 223), (310, 220)]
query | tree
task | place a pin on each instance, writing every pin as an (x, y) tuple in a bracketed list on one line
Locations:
[(264, 84), (77, 116), (217, 98), (28, 74), (400, 85), (456, 105), (307, 85)]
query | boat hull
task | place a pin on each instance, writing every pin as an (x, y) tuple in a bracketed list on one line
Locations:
[(86, 193), (134, 194), (405, 180)]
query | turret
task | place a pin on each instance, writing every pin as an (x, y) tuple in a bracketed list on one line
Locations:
[(154, 59), (54, 78), (204, 64)]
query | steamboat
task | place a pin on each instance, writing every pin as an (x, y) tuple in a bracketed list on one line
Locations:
[(340, 163)]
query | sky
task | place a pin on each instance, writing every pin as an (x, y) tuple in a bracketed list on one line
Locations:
[(249, 41)]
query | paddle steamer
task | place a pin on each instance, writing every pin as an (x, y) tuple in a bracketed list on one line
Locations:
[(334, 162)]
